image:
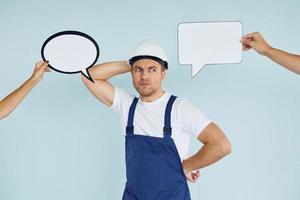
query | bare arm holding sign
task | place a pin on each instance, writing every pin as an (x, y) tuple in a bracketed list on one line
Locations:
[(256, 41), (10, 102)]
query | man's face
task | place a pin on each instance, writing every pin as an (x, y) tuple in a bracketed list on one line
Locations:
[(147, 76)]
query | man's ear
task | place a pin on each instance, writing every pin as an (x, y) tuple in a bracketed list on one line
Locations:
[(163, 74)]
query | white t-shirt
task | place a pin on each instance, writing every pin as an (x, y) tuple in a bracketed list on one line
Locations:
[(186, 119)]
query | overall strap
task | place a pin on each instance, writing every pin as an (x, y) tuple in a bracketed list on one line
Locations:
[(129, 127), (167, 123)]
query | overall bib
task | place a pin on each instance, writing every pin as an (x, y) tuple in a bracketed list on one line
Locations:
[(153, 166)]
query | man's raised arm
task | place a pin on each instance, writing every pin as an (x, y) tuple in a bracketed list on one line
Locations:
[(102, 89)]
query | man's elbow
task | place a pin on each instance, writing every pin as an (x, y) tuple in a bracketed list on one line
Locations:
[(3, 114), (225, 147)]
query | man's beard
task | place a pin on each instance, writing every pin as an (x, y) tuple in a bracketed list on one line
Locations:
[(145, 92)]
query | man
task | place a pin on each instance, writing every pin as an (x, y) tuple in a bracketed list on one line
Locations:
[(157, 126), (256, 41), (10, 102)]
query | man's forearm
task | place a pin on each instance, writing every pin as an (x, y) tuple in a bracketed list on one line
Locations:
[(107, 70), (289, 61), (10, 102), (207, 155)]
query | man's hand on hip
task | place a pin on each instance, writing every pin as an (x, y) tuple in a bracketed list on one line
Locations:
[(191, 176)]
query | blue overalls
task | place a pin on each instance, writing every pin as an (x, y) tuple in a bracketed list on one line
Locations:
[(153, 166)]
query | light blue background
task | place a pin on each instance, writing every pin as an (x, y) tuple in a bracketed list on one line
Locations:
[(62, 144)]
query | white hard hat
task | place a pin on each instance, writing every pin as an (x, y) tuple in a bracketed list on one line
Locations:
[(148, 50)]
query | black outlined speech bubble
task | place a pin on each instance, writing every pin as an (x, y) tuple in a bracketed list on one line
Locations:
[(71, 52)]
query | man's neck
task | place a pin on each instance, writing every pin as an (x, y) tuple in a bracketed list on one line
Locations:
[(153, 97)]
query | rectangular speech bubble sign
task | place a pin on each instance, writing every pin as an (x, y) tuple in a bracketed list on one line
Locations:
[(205, 43)]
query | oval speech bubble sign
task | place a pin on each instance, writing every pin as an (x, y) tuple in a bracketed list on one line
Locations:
[(71, 52)]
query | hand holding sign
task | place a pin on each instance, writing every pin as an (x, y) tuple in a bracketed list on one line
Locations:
[(71, 52), (209, 43)]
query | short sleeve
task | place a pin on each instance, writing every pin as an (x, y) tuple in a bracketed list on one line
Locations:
[(191, 118), (121, 99)]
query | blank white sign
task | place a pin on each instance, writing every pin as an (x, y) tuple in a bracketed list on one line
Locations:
[(209, 43)]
